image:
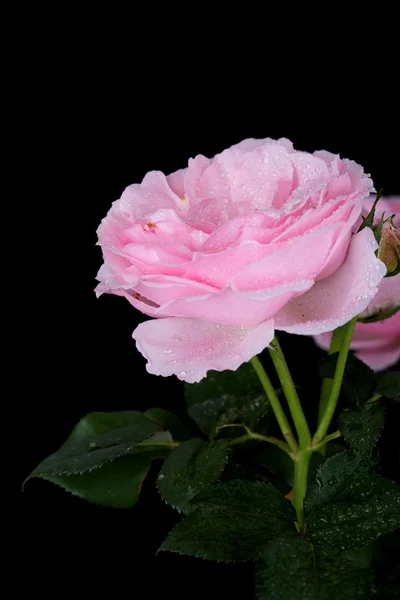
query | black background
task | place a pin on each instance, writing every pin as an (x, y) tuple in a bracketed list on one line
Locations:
[(89, 131)]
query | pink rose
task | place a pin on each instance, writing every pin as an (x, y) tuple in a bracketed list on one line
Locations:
[(378, 343), (227, 250)]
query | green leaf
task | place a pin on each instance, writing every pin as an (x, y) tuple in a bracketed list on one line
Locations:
[(361, 427), (377, 229), (233, 522), (389, 385), (101, 422), (358, 380), (345, 476), (345, 525), (290, 568), (169, 421), (191, 468), (98, 464), (368, 221), (116, 484), (97, 439), (227, 397)]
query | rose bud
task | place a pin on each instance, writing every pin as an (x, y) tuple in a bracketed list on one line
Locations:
[(389, 248)]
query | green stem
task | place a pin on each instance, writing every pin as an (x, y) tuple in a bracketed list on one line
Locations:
[(290, 392), (336, 344), (374, 398), (300, 483), (273, 440), (250, 435), (241, 439), (327, 438), (337, 382), (275, 404)]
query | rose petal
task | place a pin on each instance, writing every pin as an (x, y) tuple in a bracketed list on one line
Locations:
[(338, 298), (334, 163), (377, 344), (242, 228), (153, 193), (250, 176), (164, 227), (308, 168), (382, 357), (188, 348), (316, 217), (387, 298), (176, 182), (162, 289), (232, 307), (193, 174), (111, 280), (359, 180), (323, 340), (300, 258), (339, 187), (341, 246), (263, 179)]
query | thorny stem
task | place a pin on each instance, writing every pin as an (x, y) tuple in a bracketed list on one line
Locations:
[(290, 392), (275, 404)]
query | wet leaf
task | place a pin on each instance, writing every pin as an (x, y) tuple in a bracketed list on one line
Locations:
[(116, 484), (106, 457), (227, 397), (191, 468), (291, 568), (233, 522), (361, 427), (345, 476), (345, 525), (97, 439)]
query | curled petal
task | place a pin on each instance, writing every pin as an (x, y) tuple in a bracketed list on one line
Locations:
[(188, 348), (233, 307), (335, 300)]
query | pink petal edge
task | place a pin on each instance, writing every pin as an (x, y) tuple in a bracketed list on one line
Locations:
[(335, 300), (188, 348), (381, 358)]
